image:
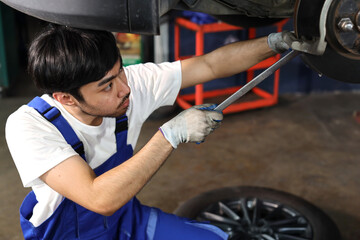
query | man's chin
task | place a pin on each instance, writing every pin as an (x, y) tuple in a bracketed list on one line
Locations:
[(118, 113)]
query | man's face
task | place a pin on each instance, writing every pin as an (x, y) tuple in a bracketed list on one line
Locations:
[(107, 97)]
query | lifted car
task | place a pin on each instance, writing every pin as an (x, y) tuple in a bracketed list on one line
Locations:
[(138, 16), (331, 24)]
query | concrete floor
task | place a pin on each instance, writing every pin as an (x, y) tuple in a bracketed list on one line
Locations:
[(305, 145)]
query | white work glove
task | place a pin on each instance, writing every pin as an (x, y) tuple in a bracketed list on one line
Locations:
[(192, 125), (282, 41)]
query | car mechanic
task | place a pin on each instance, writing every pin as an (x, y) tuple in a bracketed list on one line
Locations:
[(74, 145)]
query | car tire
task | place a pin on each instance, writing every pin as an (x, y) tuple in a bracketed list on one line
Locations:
[(265, 207)]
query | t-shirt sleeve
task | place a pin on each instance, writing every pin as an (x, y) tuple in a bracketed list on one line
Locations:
[(153, 86), (35, 144)]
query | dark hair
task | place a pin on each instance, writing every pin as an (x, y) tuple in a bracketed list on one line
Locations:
[(62, 59)]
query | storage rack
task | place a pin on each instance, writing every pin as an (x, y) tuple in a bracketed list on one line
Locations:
[(264, 98)]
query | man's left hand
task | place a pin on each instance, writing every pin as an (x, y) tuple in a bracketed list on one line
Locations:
[(282, 41)]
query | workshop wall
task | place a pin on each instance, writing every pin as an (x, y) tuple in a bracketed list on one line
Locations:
[(8, 47), (295, 76)]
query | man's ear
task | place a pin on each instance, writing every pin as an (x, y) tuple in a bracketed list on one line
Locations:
[(64, 98)]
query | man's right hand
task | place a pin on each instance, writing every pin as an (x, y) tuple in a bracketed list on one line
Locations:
[(192, 125)]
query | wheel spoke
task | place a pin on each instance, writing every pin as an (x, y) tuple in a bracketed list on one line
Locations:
[(245, 211), (218, 218), (266, 237), (276, 212), (289, 237), (256, 213), (288, 221), (229, 212), (292, 230)]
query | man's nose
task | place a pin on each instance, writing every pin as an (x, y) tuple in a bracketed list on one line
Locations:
[(122, 88)]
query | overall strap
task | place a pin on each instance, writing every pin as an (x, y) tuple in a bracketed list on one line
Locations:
[(121, 124), (53, 115), (121, 131), (123, 150)]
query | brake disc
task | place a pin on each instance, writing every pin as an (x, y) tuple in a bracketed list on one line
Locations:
[(341, 59)]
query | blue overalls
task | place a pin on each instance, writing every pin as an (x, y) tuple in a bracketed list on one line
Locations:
[(132, 221)]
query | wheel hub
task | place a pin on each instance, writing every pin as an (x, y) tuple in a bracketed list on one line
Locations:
[(343, 26), (340, 60)]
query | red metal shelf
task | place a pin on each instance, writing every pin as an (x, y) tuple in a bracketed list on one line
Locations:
[(264, 98)]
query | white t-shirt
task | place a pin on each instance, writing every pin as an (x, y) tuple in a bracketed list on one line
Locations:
[(36, 145)]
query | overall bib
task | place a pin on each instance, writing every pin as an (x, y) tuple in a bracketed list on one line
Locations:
[(132, 221)]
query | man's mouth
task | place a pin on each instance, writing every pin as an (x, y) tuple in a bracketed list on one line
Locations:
[(125, 101)]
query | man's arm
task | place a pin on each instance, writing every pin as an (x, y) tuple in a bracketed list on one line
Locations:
[(104, 194), (225, 61)]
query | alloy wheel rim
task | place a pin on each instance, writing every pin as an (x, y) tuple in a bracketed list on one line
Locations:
[(257, 219)]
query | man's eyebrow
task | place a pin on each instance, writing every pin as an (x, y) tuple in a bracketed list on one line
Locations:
[(106, 80)]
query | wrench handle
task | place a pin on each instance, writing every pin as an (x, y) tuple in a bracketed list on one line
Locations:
[(258, 79)]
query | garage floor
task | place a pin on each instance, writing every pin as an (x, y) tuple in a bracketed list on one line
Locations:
[(305, 145)]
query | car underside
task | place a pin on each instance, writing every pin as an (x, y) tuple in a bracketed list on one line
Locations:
[(333, 25), (137, 16)]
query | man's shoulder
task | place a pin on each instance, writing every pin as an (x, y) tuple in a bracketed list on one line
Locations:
[(23, 113), (24, 116), (23, 110), (153, 66)]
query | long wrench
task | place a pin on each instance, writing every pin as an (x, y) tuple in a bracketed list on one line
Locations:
[(258, 79)]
